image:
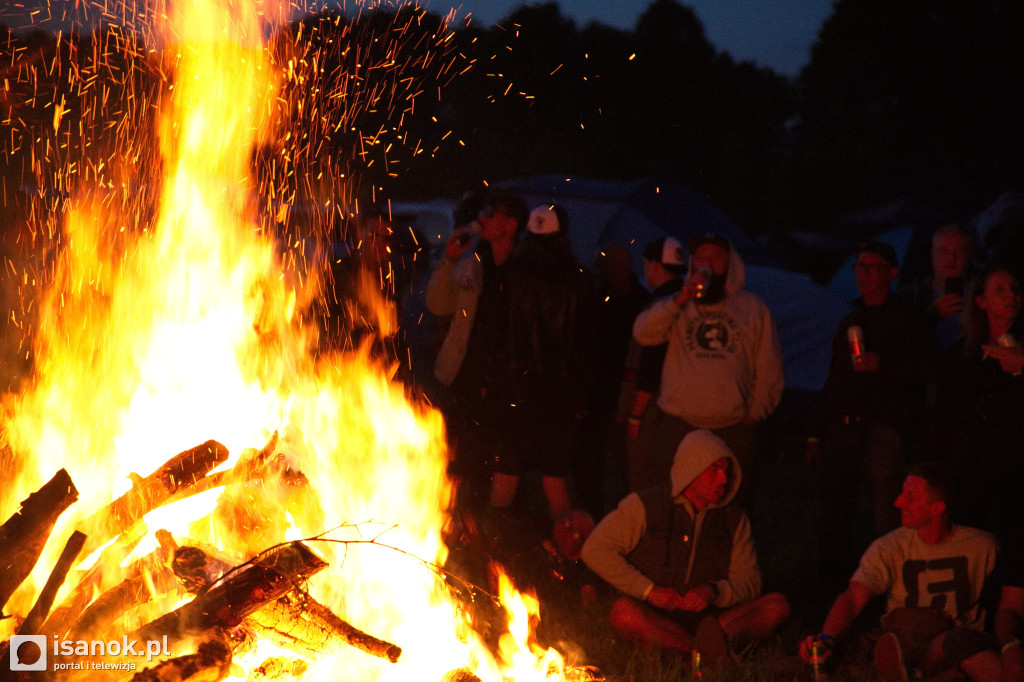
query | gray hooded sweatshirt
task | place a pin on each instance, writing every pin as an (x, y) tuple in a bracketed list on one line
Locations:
[(656, 537), (723, 361)]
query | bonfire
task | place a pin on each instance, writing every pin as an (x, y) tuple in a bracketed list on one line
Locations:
[(192, 490)]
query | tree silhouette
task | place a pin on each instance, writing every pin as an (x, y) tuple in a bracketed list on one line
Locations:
[(914, 97)]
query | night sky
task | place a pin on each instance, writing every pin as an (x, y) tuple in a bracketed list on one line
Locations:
[(774, 33)]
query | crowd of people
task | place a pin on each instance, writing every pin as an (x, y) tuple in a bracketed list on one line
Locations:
[(608, 391)]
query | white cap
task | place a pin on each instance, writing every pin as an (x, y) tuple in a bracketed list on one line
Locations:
[(672, 252), (543, 220)]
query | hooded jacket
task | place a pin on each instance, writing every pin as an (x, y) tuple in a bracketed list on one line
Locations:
[(454, 290), (723, 361), (657, 537)]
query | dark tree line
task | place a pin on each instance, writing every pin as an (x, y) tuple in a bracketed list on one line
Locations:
[(916, 98)]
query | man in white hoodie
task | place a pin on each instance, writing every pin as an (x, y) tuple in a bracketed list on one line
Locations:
[(681, 553), (723, 367)]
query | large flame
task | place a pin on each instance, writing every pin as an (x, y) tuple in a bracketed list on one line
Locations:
[(158, 336)]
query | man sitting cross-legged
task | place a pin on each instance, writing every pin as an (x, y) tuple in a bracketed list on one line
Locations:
[(684, 557)]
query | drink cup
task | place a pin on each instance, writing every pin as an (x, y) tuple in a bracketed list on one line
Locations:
[(855, 335)]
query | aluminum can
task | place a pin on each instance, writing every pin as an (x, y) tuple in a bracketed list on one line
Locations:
[(702, 288), (855, 335), (818, 660)]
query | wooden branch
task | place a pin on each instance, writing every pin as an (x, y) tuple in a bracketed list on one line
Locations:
[(239, 594), (306, 626), (44, 602), (23, 536), (211, 663), (296, 621), (178, 473)]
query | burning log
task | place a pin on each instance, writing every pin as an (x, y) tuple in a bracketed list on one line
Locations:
[(277, 668), (238, 595), (251, 464), (196, 569), (460, 675), (211, 663), (178, 473), (101, 616), (62, 618), (144, 577), (44, 602), (304, 625), (296, 621), (23, 536)]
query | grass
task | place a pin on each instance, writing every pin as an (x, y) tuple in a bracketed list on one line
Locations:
[(786, 528)]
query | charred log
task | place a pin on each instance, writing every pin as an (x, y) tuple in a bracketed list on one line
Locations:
[(210, 664), (238, 594), (23, 536), (295, 621), (86, 585), (44, 602), (145, 578), (196, 569), (178, 473)]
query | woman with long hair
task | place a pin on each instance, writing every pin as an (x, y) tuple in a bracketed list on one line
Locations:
[(981, 401)]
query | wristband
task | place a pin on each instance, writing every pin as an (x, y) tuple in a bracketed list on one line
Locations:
[(826, 639), (1009, 644), (633, 419), (647, 592)]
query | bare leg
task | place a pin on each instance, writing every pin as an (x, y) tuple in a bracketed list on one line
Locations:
[(503, 490), (755, 620), (557, 492), (644, 625)]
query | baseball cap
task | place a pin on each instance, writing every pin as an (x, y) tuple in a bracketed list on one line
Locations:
[(715, 239), (666, 250)]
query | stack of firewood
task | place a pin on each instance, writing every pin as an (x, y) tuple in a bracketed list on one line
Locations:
[(233, 603)]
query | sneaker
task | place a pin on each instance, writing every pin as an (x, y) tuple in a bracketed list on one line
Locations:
[(714, 649), (889, 658)]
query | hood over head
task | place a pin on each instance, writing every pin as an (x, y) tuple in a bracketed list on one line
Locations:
[(736, 277), (697, 451)]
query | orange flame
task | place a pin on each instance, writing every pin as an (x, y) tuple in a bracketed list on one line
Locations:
[(159, 337)]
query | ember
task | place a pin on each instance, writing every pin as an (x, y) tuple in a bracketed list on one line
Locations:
[(161, 329)]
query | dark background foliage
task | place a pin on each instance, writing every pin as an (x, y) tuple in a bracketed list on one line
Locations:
[(915, 99)]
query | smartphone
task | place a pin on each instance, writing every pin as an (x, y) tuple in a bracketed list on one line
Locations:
[(955, 285)]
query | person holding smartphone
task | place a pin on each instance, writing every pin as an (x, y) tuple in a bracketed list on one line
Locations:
[(940, 298)]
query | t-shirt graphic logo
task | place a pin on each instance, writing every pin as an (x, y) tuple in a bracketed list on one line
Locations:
[(28, 652), (712, 335)]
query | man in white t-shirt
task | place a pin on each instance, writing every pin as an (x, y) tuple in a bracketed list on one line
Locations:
[(932, 573)]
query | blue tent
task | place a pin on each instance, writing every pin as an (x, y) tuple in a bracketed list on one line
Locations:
[(632, 213)]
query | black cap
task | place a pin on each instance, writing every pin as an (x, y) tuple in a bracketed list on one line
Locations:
[(716, 239), (887, 253)]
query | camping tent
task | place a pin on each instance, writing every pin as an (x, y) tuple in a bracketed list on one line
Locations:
[(632, 213), (635, 212)]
